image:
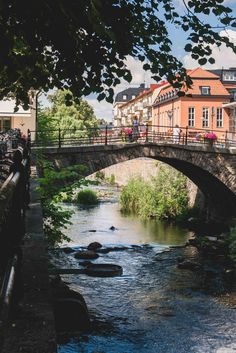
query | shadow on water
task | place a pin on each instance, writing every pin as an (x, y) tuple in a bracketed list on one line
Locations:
[(153, 307)]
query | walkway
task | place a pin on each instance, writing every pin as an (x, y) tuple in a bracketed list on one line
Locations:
[(32, 329)]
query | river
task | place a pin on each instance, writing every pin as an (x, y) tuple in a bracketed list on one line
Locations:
[(154, 307)]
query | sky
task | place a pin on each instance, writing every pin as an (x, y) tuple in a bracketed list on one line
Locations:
[(224, 58)]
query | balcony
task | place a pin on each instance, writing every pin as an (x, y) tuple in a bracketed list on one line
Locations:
[(138, 107)]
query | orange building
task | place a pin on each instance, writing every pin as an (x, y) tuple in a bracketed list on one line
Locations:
[(206, 105)]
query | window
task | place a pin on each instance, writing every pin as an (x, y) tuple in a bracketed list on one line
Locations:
[(205, 117), (5, 123), (219, 117), (133, 96), (229, 76), (191, 117), (205, 90), (124, 97)]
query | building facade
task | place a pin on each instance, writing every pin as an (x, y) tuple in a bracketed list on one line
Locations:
[(122, 98), (21, 119), (208, 104), (140, 106)]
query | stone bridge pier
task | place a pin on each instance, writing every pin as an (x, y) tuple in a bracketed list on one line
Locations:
[(213, 170)]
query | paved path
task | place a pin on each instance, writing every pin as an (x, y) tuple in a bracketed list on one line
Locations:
[(32, 329)]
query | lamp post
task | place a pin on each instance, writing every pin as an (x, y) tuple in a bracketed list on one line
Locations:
[(212, 117)]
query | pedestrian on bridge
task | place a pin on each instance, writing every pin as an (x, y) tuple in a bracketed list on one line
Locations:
[(176, 133)]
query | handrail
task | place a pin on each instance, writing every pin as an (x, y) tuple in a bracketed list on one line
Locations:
[(125, 134), (12, 208)]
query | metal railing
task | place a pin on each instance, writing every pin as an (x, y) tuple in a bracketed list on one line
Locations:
[(14, 198), (157, 134)]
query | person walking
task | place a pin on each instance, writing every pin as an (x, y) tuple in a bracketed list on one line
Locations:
[(135, 129), (176, 133)]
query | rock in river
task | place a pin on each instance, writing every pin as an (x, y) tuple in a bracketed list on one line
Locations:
[(94, 246), (86, 254)]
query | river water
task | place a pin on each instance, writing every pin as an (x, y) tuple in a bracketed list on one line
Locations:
[(154, 307)]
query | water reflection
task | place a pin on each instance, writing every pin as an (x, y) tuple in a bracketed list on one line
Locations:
[(94, 224)]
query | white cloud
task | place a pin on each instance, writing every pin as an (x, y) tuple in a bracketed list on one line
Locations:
[(224, 57)]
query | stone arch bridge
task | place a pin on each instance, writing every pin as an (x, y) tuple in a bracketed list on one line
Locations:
[(213, 170)]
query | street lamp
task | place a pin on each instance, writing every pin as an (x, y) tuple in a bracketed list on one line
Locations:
[(212, 117)]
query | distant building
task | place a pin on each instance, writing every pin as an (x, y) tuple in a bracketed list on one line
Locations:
[(228, 78), (208, 104), (124, 97), (22, 119), (139, 105)]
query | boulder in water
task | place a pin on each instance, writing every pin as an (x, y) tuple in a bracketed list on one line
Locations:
[(94, 246), (86, 254), (68, 250), (70, 309)]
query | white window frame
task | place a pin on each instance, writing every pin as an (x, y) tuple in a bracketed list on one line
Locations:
[(124, 97), (229, 76), (191, 116), (205, 117), (205, 90), (219, 117)]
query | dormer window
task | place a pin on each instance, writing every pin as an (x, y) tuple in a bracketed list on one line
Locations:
[(229, 76), (205, 90), (124, 97), (133, 96)]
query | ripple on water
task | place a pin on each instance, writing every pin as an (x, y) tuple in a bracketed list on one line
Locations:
[(153, 307)]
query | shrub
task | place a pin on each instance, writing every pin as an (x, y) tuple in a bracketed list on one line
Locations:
[(164, 197), (100, 175), (87, 197), (111, 180)]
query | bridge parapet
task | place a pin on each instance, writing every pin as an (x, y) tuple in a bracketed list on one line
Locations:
[(211, 168)]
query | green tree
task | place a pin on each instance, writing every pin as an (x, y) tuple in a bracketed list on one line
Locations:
[(82, 45), (70, 115), (53, 186), (75, 118)]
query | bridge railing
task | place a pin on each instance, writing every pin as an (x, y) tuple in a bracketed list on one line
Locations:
[(14, 198), (157, 134)]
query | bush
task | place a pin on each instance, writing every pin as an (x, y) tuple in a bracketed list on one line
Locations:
[(87, 197), (111, 180), (100, 175), (164, 197)]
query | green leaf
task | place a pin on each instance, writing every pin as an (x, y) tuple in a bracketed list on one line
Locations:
[(202, 61)]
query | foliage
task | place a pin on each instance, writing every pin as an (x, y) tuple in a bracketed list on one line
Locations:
[(87, 197), (100, 175), (164, 197), (80, 45), (74, 120), (111, 180), (52, 186)]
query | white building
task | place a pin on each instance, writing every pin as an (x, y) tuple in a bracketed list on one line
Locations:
[(21, 119)]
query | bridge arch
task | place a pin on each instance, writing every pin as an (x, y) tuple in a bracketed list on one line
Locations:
[(212, 170)]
